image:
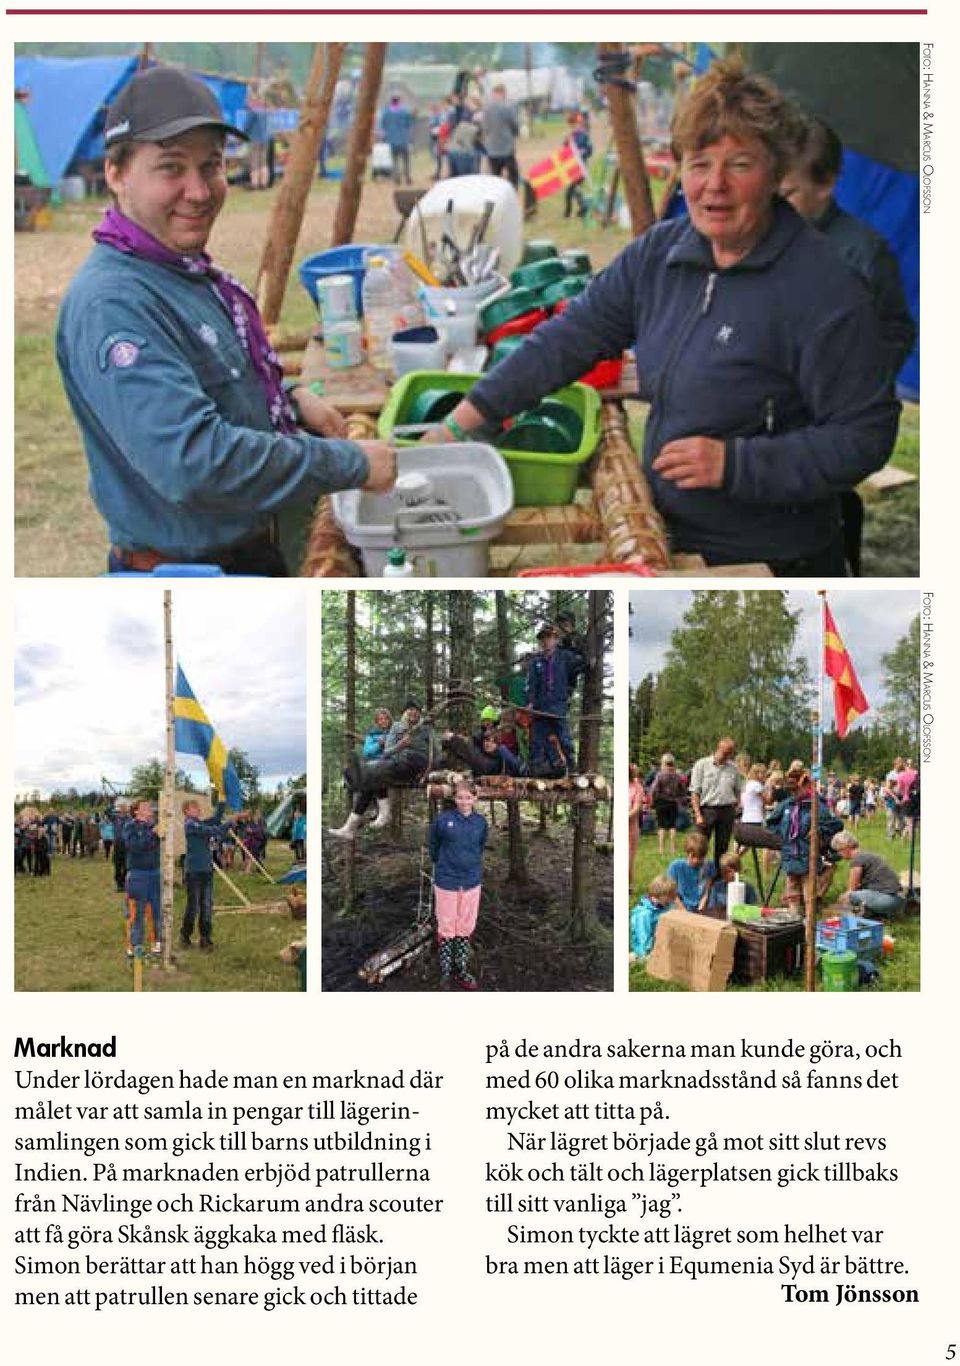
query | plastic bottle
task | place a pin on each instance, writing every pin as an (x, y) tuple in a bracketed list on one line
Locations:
[(381, 304), (397, 565)]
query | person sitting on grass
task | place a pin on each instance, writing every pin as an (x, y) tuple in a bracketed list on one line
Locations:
[(874, 887), (694, 873), (645, 916), (728, 871), (198, 871), (144, 893)]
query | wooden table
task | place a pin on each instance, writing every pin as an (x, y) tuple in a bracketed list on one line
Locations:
[(532, 538)]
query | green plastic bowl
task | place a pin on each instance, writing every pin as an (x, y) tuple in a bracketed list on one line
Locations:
[(537, 251), (508, 307), (505, 347), (570, 422), (538, 274), (426, 405), (567, 288), (576, 263), (535, 432)]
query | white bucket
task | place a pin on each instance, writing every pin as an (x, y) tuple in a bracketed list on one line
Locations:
[(469, 194)]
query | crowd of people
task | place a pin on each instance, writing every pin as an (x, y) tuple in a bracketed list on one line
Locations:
[(125, 835), (527, 736), (725, 798)]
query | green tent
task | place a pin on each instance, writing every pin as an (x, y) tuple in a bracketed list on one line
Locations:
[(29, 161)]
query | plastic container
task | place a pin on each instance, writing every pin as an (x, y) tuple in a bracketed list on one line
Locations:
[(576, 262), (435, 298), (537, 251), (850, 932), (458, 331), (538, 274), (423, 397), (337, 261), (417, 348), (518, 327), (343, 344), (381, 305), (736, 895), (471, 478), (563, 290), (397, 565), (336, 299), (507, 307), (470, 194), (840, 972)]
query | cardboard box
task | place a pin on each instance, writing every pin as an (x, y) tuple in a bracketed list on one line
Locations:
[(693, 950)]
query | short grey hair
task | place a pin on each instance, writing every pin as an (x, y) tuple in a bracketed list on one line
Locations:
[(844, 840)]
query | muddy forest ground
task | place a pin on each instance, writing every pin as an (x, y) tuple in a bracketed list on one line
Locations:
[(58, 529), (523, 938)]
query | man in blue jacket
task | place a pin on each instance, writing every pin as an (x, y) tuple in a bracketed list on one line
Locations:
[(551, 679), (198, 870), (194, 446)]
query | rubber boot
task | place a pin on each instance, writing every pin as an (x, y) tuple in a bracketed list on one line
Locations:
[(348, 830), (384, 805), (461, 956), (445, 955)]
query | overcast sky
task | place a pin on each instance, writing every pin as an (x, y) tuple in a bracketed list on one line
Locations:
[(89, 678), (870, 623)]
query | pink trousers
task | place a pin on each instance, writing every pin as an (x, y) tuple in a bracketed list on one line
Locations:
[(457, 912)]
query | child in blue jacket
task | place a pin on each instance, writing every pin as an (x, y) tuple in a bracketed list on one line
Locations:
[(198, 871), (457, 841), (645, 916)]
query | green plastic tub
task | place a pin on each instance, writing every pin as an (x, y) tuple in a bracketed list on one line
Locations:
[(540, 478), (507, 307), (537, 251)]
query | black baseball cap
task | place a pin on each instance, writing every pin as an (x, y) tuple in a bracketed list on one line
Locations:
[(162, 103)]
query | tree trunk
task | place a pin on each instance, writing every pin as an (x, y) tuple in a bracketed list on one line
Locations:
[(583, 902), (287, 217), (429, 678), (517, 853), (461, 710), (358, 149), (626, 135), (350, 728)]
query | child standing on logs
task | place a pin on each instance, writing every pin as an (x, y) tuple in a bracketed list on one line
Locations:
[(551, 679), (143, 888), (457, 841)]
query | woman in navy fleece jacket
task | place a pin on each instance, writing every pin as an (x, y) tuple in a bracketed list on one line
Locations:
[(757, 349)]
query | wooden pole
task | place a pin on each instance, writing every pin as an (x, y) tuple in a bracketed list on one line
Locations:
[(810, 953), (232, 885), (361, 137), (287, 216), (169, 782), (626, 134)]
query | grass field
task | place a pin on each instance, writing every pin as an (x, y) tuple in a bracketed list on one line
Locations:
[(900, 972), (59, 532), (69, 935)]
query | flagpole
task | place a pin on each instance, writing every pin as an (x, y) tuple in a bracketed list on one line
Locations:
[(169, 780), (810, 952)]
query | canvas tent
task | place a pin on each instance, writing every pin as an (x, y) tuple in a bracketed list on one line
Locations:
[(65, 99), (62, 102)]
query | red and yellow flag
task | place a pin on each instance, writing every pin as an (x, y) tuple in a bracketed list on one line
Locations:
[(556, 172), (848, 699)]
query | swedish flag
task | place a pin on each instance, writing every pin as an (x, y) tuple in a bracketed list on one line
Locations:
[(193, 734)]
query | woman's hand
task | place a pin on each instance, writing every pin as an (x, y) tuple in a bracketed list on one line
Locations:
[(318, 416), (693, 462)]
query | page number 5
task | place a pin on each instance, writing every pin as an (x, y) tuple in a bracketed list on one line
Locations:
[(951, 1351)]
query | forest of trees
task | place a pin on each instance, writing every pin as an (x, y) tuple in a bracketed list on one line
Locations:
[(732, 665), (548, 896), (441, 646)]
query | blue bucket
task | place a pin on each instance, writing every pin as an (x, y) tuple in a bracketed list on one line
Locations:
[(338, 261)]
